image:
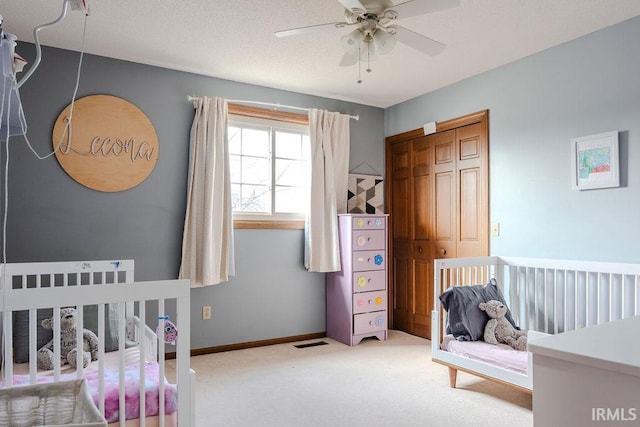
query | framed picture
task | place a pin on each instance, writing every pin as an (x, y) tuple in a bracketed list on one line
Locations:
[(595, 161), (366, 194)]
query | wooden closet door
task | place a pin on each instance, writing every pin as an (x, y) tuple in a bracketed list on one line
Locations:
[(421, 279), (473, 229), (399, 166), (411, 169), (444, 195), (437, 198)]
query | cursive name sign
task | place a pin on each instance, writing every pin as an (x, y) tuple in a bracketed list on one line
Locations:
[(108, 145)]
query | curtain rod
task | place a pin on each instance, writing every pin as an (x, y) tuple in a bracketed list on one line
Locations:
[(268, 104)]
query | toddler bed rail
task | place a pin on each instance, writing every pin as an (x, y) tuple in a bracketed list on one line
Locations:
[(130, 355), (546, 296)]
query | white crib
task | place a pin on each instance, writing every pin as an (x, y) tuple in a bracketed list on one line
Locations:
[(546, 296), (108, 286)]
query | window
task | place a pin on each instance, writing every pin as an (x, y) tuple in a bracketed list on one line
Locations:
[(269, 169)]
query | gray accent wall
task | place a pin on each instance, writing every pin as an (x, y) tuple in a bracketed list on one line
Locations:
[(536, 105), (53, 218)]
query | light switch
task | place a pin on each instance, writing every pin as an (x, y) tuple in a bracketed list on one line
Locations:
[(495, 229)]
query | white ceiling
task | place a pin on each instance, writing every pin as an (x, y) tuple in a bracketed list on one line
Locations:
[(233, 39)]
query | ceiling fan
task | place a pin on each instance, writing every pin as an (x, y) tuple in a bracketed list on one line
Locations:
[(374, 34)]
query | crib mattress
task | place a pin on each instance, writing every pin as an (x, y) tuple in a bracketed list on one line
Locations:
[(111, 387), (500, 355), (111, 362)]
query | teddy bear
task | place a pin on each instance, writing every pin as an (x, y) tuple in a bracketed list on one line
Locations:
[(499, 329), (68, 351)]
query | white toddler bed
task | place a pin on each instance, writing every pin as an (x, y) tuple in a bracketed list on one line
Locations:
[(130, 370), (545, 296)]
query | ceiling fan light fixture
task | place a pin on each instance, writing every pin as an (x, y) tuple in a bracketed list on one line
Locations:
[(383, 41), (350, 42)]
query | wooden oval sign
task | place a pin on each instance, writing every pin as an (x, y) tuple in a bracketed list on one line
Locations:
[(111, 145)]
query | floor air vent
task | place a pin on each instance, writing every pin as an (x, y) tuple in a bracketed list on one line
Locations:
[(311, 344)]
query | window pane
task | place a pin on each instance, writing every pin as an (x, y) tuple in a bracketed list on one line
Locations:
[(269, 165), (291, 200), (306, 147), (256, 170), (235, 197), (255, 142), (235, 140), (255, 198), (288, 145), (292, 172), (234, 168)]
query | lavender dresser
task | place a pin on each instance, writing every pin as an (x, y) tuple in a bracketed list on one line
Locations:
[(357, 295)]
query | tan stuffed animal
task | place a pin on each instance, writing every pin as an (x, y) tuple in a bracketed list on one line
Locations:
[(68, 351), (499, 329)]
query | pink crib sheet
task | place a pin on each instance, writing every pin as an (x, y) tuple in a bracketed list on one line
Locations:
[(500, 355), (112, 387)]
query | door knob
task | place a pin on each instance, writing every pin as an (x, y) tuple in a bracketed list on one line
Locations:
[(419, 249), (443, 251)]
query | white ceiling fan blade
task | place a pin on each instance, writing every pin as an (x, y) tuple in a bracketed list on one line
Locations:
[(418, 41), (348, 60), (309, 29), (354, 6), (420, 7)]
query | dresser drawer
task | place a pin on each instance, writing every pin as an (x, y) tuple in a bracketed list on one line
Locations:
[(369, 260), (369, 301), (368, 240), (369, 322), (364, 281), (368, 222)]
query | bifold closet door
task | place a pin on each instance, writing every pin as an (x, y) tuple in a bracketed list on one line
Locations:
[(437, 199)]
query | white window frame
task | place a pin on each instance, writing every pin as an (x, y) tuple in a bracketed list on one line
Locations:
[(273, 219)]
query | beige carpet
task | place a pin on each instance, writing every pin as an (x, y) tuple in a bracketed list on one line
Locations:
[(391, 383)]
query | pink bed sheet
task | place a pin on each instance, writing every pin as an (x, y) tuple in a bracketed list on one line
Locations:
[(500, 355)]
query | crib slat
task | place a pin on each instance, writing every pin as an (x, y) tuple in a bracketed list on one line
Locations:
[(56, 342), (7, 321), (79, 341), (544, 300), (636, 295), (161, 357), (183, 318), (555, 301), (33, 345), (101, 347), (141, 360), (121, 333)]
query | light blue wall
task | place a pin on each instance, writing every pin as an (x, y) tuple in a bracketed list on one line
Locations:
[(537, 104), (53, 218)]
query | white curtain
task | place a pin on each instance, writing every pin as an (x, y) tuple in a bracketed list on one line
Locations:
[(207, 242), (329, 134)]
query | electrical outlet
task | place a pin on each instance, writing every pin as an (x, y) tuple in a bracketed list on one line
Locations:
[(206, 312)]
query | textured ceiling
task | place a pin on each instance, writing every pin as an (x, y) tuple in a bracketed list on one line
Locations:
[(233, 39)]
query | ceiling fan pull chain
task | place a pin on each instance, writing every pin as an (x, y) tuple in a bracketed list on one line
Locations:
[(359, 68), (368, 57)]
